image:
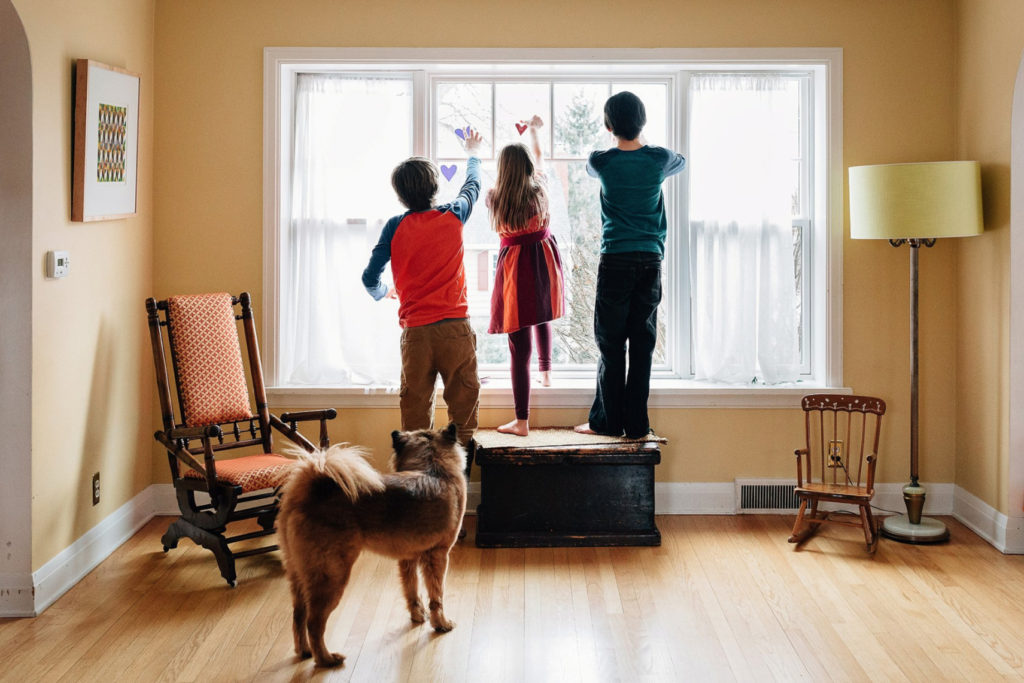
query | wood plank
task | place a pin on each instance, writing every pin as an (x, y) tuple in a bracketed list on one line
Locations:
[(723, 598)]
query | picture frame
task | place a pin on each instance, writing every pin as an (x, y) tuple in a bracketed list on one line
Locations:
[(106, 140)]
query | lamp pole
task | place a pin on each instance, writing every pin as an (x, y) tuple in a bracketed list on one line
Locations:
[(912, 527)]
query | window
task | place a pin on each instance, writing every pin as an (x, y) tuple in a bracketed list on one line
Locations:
[(750, 264), (574, 126)]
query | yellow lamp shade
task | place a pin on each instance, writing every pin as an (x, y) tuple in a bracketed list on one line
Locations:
[(915, 201)]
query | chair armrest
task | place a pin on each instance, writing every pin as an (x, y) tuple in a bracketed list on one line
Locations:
[(202, 432), (872, 461), (799, 453), (293, 435), (179, 452), (306, 415)]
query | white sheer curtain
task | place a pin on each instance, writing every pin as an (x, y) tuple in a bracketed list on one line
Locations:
[(742, 179), (350, 131)]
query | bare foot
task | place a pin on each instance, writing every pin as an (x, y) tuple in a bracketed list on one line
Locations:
[(583, 429), (545, 378), (517, 427)]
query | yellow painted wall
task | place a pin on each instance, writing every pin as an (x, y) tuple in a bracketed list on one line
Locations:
[(91, 386), (899, 105), (990, 44)]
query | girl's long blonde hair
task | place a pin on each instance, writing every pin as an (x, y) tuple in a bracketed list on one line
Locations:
[(517, 196)]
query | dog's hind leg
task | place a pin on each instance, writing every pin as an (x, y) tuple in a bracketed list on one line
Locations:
[(299, 620), (435, 567), (411, 588), (323, 594)]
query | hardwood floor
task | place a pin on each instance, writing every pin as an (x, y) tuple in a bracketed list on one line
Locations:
[(723, 598)]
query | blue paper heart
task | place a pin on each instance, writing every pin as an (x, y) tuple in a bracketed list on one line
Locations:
[(448, 171), (460, 133)]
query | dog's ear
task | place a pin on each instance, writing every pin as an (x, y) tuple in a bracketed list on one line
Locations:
[(450, 432), (396, 439)]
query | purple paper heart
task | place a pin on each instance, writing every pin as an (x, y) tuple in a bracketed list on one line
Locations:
[(462, 135), (448, 171)]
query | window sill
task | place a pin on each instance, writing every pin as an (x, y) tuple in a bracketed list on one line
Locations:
[(567, 393)]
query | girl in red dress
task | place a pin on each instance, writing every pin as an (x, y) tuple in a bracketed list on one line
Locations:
[(528, 284)]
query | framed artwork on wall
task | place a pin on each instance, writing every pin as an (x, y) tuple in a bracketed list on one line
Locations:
[(106, 142)]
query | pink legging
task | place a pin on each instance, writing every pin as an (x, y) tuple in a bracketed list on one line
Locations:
[(520, 348)]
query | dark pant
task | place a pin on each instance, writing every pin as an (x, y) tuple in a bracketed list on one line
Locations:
[(625, 316), (520, 347)]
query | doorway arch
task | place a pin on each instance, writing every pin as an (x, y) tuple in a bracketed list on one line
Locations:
[(16, 591)]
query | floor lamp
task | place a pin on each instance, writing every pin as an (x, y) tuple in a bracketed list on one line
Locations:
[(915, 204)]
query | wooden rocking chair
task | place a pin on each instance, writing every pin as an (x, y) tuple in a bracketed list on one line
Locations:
[(216, 415), (838, 463)]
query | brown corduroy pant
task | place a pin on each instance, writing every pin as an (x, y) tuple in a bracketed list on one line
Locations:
[(447, 348)]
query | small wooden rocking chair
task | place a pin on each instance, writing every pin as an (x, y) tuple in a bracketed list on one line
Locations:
[(838, 463), (213, 398)]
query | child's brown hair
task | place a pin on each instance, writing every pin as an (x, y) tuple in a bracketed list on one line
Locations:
[(415, 181), (517, 196)]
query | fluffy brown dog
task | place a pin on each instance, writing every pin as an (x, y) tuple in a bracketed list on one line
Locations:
[(335, 505)]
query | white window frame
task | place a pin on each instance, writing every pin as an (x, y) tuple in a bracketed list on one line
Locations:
[(281, 64)]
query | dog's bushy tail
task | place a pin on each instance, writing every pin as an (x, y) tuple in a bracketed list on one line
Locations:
[(343, 464)]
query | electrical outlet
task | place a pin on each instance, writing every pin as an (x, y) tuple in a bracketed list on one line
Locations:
[(835, 454), (96, 488)]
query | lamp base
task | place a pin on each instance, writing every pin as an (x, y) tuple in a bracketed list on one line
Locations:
[(899, 528)]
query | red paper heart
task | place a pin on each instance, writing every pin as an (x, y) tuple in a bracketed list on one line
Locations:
[(521, 127)]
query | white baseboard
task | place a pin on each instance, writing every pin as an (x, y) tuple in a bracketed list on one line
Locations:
[(1003, 532), (694, 498), (61, 573), (24, 595), (682, 498)]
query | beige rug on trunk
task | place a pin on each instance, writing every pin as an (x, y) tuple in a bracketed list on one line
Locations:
[(550, 437)]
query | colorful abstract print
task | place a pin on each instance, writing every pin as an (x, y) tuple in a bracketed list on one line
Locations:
[(111, 145)]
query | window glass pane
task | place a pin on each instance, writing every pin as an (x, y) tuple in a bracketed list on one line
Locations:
[(516, 102), (790, 126), (579, 119), (655, 97), (338, 174), (577, 227), (745, 328), (460, 105), (340, 199)]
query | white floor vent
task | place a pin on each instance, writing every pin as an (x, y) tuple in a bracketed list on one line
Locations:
[(766, 496)]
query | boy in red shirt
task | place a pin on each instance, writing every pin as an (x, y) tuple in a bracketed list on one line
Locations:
[(425, 248)]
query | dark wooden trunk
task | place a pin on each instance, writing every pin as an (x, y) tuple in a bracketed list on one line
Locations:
[(594, 495)]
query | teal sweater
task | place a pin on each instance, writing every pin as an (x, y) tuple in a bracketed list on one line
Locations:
[(632, 204)]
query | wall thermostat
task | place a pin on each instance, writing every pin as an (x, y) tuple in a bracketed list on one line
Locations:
[(58, 263)]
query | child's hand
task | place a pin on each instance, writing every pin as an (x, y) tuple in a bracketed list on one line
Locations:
[(473, 141), (392, 293), (535, 123)]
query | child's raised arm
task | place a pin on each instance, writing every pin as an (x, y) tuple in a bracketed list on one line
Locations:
[(535, 124), (463, 204)]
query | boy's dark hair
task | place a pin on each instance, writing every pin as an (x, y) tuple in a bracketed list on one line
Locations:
[(415, 180), (625, 115)]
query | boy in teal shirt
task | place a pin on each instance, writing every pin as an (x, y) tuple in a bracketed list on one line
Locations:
[(629, 274)]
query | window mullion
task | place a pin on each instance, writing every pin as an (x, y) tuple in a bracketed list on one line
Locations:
[(682, 324), (422, 113)]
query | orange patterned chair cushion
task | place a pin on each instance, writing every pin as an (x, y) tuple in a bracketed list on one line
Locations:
[(208, 359), (251, 472)]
